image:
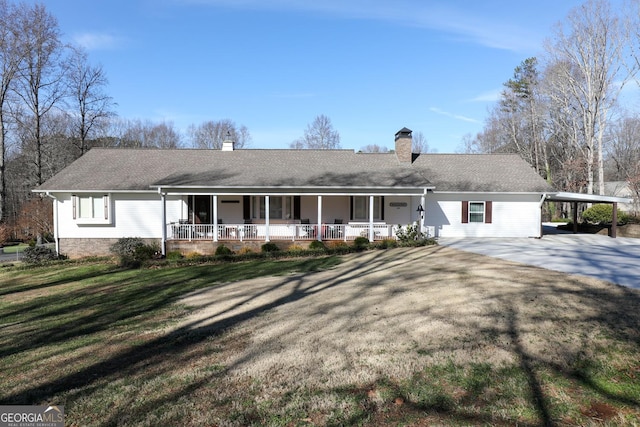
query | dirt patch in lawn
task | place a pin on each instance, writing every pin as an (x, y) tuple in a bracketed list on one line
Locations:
[(385, 315)]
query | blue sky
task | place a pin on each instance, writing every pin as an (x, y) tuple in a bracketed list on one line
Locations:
[(371, 66)]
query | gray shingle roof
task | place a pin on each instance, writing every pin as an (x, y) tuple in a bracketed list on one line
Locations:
[(480, 172), (142, 169)]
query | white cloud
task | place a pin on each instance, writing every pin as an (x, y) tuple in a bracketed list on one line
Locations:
[(469, 25), (490, 96), (96, 41), (453, 116)]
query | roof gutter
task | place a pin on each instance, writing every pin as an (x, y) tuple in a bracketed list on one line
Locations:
[(542, 200), (55, 220)]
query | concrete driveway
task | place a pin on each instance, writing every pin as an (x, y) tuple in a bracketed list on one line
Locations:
[(615, 260)]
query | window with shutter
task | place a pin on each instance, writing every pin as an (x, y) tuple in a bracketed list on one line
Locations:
[(478, 212), (91, 208)]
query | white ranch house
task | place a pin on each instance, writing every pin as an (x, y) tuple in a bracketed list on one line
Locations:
[(194, 200)]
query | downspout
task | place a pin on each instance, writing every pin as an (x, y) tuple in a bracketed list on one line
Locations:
[(423, 202), (542, 200), (55, 221), (163, 246)]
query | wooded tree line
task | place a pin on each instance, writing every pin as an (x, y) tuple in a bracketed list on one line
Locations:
[(564, 112), (561, 111), (54, 107)]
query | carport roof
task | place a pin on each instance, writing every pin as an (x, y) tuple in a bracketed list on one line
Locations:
[(586, 198)]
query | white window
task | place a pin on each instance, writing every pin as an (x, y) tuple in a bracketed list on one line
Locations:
[(360, 208), (91, 209), (279, 207), (476, 211)]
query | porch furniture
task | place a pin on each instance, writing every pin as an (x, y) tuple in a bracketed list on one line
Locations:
[(306, 230)]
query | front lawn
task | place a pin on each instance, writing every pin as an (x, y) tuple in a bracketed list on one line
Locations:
[(411, 336)]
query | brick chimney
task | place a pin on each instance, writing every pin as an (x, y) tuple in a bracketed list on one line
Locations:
[(404, 141)]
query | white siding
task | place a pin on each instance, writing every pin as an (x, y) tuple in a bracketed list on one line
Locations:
[(334, 208), (134, 215), (402, 215), (514, 215)]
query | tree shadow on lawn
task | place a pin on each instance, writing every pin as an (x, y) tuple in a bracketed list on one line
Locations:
[(118, 297), (525, 298)]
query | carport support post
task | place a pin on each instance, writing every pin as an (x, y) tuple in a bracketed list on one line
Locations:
[(614, 220), (574, 207)]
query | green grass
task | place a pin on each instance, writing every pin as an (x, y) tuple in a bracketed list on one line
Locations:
[(95, 338), (15, 248)]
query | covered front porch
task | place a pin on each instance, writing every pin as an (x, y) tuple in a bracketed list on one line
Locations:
[(288, 217), (293, 231)]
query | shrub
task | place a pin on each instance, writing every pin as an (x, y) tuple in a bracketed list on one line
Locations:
[(245, 250), (337, 244), (387, 244), (409, 232), (132, 251), (222, 250), (295, 248), (174, 256), (39, 255), (361, 243), (603, 214), (193, 255), (317, 245), (270, 247)]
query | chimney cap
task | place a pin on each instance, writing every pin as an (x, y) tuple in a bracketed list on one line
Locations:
[(403, 132)]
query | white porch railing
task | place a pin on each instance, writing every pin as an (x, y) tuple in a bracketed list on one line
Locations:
[(293, 232)]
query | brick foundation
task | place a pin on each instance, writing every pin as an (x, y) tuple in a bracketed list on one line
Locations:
[(80, 248), (208, 247)]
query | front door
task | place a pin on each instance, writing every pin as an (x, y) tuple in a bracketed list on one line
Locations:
[(200, 208)]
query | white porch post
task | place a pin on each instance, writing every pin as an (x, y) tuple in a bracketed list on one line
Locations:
[(319, 233), (163, 197), (266, 217), (423, 203), (371, 204), (193, 209), (215, 217)]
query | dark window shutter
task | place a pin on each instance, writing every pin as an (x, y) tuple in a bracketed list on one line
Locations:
[(351, 208), (246, 207), (488, 212), (381, 208), (296, 207), (465, 212)]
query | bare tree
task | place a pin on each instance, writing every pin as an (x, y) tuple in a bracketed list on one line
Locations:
[(40, 84), (90, 105), (374, 148), (211, 134), (144, 134), (319, 135), (592, 72), (624, 150), (420, 143), (10, 60)]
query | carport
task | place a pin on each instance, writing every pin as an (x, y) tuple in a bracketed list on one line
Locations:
[(575, 198)]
